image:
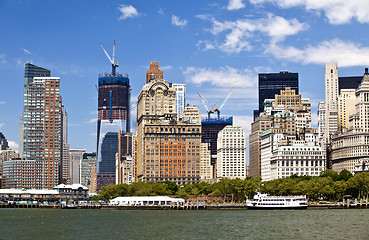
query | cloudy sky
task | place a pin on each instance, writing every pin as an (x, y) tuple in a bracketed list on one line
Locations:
[(209, 45)]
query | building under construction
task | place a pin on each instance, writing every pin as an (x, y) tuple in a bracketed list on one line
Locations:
[(113, 116)]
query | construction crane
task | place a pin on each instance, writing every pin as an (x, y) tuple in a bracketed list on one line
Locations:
[(217, 110), (112, 61), (203, 100)]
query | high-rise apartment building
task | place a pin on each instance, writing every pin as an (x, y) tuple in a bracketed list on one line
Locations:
[(180, 97), (113, 116), (167, 149), (231, 154), (331, 96), (30, 72), (271, 84)]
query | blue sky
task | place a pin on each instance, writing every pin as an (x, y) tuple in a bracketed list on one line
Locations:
[(209, 45)]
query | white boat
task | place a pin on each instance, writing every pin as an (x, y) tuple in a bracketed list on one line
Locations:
[(264, 201)]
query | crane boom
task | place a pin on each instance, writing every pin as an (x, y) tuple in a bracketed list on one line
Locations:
[(203, 102), (111, 61), (225, 100), (113, 52)]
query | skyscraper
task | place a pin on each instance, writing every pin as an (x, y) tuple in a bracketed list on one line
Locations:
[(167, 149), (180, 97), (231, 159), (42, 125), (30, 71), (113, 116), (271, 84), (331, 96)]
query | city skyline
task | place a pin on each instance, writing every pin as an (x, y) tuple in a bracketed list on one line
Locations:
[(208, 46)]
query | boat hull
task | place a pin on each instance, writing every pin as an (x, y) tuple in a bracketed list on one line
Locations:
[(276, 208)]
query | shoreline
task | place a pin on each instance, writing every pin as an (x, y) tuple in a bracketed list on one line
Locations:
[(184, 207)]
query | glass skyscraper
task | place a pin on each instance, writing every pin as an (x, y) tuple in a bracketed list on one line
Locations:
[(180, 98), (113, 116)]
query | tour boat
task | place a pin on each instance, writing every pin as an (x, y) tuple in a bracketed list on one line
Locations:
[(264, 201)]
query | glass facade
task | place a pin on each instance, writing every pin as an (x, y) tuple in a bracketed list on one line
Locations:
[(271, 84)]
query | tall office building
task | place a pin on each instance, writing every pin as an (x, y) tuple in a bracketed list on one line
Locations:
[(271, 84), (231, 159), (113, 116), (124, 160), (167, 149), (180, 98), (331, 96)]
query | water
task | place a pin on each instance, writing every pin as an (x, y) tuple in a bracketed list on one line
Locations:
[(176, 224)]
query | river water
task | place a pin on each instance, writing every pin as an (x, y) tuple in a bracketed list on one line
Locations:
[(183, 224)]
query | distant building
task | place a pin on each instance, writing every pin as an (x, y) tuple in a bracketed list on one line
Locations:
[(191, 114), (271, 84), (124, 160), (3, 142), (281, 156), (331, 96), (180, 98), (321, 120), (6, 155), (210, 128), (231, 154), (206, 169), (346, 107), (349, 82), (20, 173), (348, 149), (88, 161), (75, 158)]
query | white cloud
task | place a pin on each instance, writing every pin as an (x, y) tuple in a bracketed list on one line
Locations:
[(240, 33), (26, 51), (2, 102), (235, 4), (224, 76), (161, 11), (94, 134), (2, 125), (92, 120), (344, 53), (3, 58), (244, 122), (206, 45), (178, 22), (128, 11), (167, 67), (13, 145), (337, 11)]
